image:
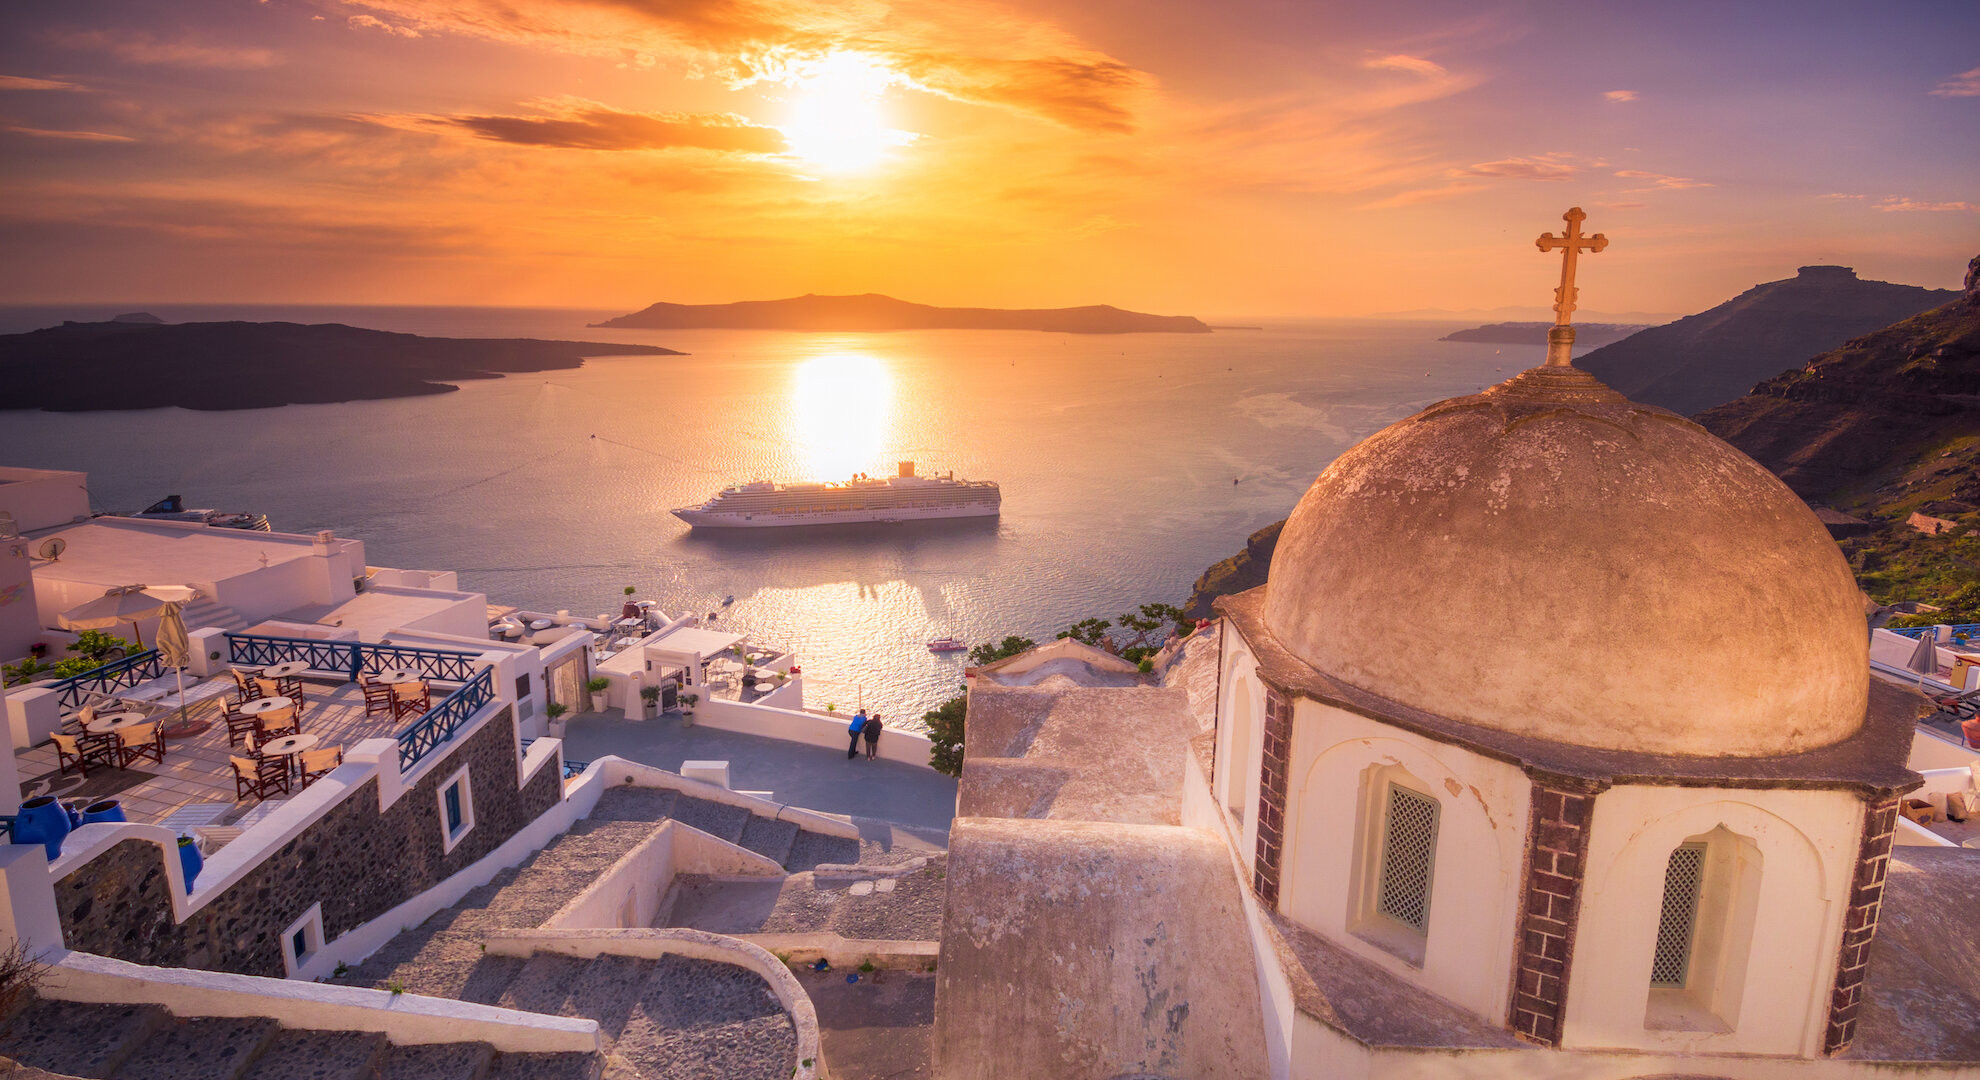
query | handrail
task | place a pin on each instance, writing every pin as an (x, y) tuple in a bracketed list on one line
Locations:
[(352, 657), (111, 677), (438, 724), (1914, 632)]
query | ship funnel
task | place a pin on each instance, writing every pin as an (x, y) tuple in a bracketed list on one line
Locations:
[(907, 468)]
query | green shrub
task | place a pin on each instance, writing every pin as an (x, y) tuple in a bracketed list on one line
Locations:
[(945, 734)]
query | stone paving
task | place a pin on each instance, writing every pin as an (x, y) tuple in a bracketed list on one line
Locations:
[(879, 1028), (875, 905), (196, 769)]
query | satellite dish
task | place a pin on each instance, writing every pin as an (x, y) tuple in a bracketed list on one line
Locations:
[(52, 548)]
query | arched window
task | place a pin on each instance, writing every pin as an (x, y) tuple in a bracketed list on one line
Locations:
[(1705, 925), (1398, 863)]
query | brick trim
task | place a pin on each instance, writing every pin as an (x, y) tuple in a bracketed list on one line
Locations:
[(1866, 900), (1277, 752), (1549, 908)]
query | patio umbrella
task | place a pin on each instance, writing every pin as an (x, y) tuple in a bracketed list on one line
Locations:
[(124, 604), (1925, 658), (175, 647)]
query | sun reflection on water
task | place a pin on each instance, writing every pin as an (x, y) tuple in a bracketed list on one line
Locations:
[(843, 408)]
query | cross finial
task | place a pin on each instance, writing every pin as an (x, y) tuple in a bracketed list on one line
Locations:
[(1560, 340)]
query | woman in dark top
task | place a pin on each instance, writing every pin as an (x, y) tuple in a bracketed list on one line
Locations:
[(872, 733)]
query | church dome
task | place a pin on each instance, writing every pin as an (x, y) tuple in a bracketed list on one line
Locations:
[(1551, 559)]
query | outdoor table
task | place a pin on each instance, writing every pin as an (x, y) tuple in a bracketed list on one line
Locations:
[(397, 675), (283, 671), (542, 624), (112, 723), (192, 815), (287, 744), (267, 704)]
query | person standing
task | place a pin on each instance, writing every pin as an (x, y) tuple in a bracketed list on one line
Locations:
[(872, 734), (853, 729)]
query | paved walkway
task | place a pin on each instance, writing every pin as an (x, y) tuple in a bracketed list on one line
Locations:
[(919, 799)]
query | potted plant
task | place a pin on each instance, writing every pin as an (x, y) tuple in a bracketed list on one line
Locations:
[(597, 687), (687, 708), (650, 695), (557, 709)]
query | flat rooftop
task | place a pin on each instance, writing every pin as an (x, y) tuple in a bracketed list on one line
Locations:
[(376, 610), (123, 551)]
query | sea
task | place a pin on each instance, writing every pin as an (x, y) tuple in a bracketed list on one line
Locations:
[(1128, 463)]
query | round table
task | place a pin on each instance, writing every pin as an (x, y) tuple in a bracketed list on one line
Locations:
[(111, 723), (287, 744), (398, 675), (283, 671), (542, 624), (267, 704)]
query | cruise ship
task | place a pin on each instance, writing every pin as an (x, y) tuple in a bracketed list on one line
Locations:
[(906, 497)]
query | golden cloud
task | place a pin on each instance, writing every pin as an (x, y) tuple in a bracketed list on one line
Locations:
[(578, 124)]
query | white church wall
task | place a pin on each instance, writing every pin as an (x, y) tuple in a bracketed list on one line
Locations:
[(1766, 949), (1483, 804), (1240, 737)]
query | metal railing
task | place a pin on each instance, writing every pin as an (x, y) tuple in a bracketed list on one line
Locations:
[(110, 678), (351, 657), (438, 724), (1971, 630), (574, 768)]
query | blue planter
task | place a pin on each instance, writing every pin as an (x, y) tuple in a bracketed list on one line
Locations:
[(74, 809), (103, 810), (190, 860), (42, 821)]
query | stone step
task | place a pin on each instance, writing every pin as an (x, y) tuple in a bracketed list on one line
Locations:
[(701, 1018), (76, 1039), (608, 991), (811, 850), (634, 804), (716, 819), (568, 1066), (488, 978), (321, 1055), (769, 837), (438, 1061), (544, 984), (207, 1048)]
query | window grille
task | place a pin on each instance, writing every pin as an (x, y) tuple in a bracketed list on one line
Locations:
[(1409, 846), (1682, 878)]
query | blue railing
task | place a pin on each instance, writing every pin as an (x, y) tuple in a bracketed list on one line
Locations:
[(439, 723), (1971, 630), (351, 657), (575, 768), (110, 678)]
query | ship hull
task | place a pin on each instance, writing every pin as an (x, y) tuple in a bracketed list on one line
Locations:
[(764, 519)]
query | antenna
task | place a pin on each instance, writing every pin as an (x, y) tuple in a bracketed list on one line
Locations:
[(52, 548)]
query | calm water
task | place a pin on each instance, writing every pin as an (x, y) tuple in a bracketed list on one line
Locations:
[(1116, 456)]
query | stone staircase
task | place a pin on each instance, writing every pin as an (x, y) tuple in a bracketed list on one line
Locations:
[(667, 1018), (205, 612), (144, 1042)]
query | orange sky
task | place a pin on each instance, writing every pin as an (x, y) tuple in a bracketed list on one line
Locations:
[(1311, 158)]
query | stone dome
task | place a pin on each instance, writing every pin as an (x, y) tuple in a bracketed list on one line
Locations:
[(1551, 559)]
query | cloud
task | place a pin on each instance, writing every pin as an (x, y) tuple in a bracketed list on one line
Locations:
[(1660, 180), (1415, 65), (577, 124), (1839, 195), (1422, 195), (141, 48), (77, 136), (1900, 204), (1519, 168), (1620, 95), (22, 82), (373, 22), (1964, 84)]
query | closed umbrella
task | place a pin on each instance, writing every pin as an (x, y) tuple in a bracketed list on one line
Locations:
[(124, 604), (1925, 658), (175, 648)]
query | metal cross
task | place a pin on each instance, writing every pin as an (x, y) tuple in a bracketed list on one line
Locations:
[(1571, 245)]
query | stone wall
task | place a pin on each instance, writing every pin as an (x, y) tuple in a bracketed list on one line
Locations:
[(1866, 901), (1556, 857), (1272, 796), (356, 861)]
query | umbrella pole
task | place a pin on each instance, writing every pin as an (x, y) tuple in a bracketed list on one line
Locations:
[(138, 634)]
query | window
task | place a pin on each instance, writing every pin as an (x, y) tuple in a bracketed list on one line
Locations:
[(1682, 878), (302, 941), (1409, 848), (456, 809), (522, 686)]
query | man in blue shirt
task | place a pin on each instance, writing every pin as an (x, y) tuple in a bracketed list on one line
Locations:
[(853, 729)]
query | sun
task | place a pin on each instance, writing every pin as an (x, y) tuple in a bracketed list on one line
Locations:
[(838, 120)]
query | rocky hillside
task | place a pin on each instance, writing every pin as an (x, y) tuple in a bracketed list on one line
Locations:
[(1245, 570), (872, 312), (1715, 356)]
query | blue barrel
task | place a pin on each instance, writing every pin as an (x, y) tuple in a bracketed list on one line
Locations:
[(42, 821), (103, 810), (190, 860)]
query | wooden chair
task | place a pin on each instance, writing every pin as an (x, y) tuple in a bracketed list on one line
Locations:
[(316, 764), (409, 698), (377, 696), (77, 751), (239, 723), (82, 717), (290, 686), (276, 723), (140, 741), (259, 777), (268, 687), (244, 691)]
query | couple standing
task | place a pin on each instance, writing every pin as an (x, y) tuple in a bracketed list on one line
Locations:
[(867, 727)]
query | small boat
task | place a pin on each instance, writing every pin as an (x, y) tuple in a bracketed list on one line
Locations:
[(729, 599), (947, 644)]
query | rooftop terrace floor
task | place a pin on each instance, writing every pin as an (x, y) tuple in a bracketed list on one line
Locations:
[(196, 769)]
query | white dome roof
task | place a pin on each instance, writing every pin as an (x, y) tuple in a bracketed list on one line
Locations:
[(1551, 559)]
